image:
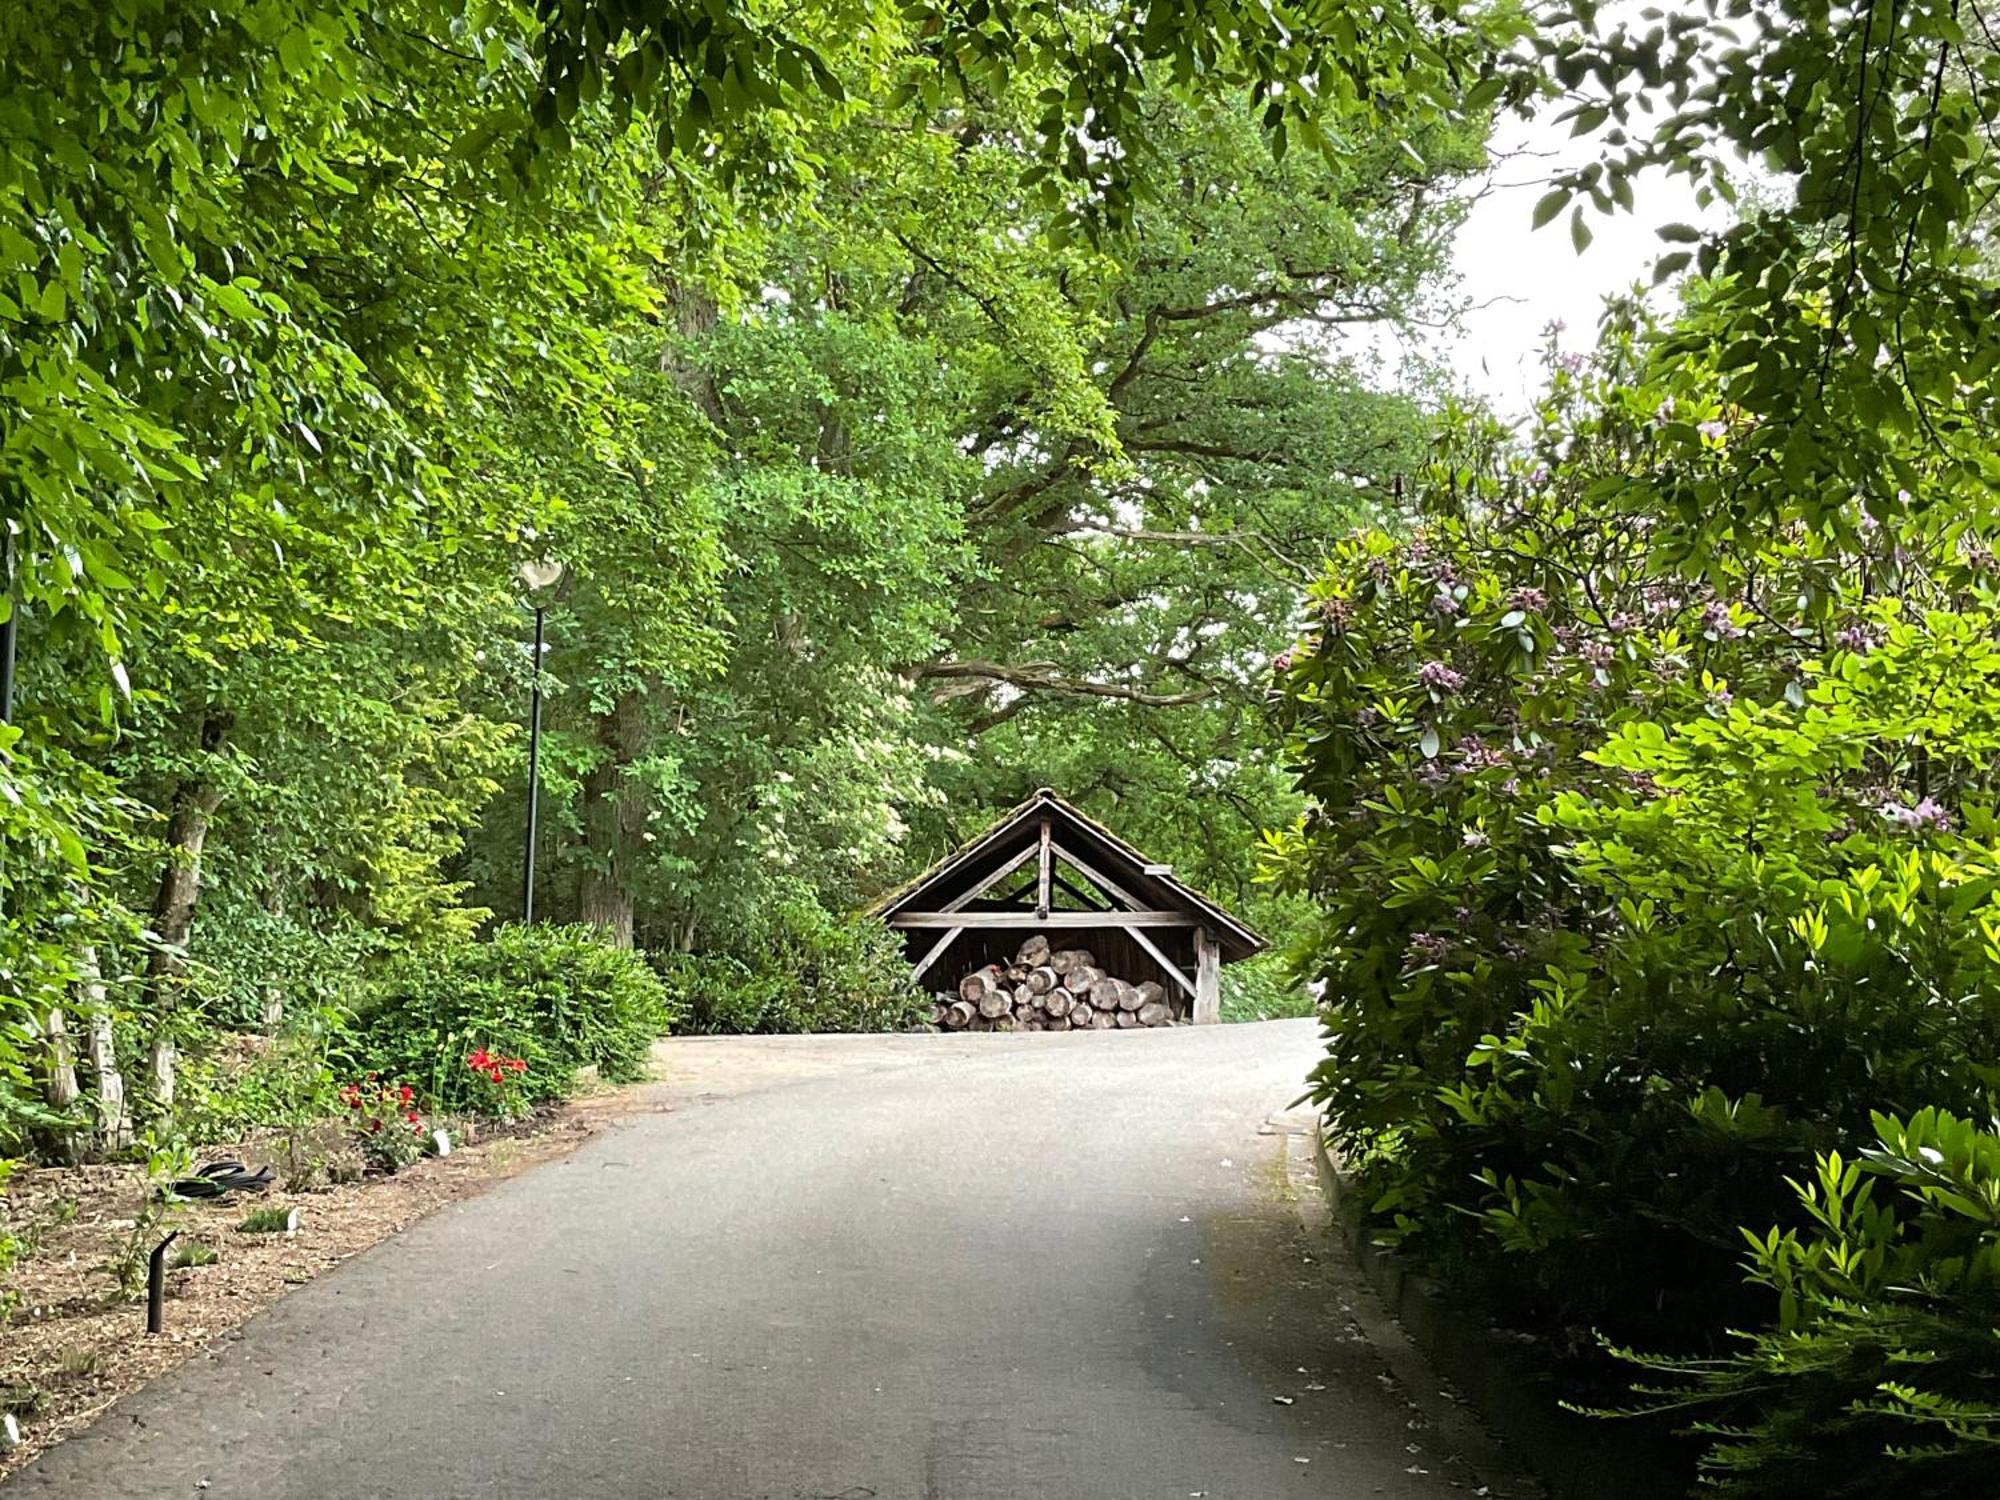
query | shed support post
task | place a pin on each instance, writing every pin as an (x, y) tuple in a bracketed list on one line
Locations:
[(1043, 895), (936, 952), (1207, 978)]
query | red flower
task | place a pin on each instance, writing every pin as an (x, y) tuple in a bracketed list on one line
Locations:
[(480, 1059), (412, 1117), (496, 1075), (406, 1093), (518, 1064)]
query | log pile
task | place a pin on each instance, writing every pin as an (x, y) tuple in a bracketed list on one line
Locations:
[(1052, 989)]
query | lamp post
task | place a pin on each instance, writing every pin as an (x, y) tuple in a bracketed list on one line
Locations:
[(538, 575)]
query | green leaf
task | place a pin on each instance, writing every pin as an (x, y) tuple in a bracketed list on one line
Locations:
[(1579, 232), (1549, 205)]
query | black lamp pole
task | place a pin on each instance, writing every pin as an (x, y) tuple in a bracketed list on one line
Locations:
[(534, 773), (538, 576)]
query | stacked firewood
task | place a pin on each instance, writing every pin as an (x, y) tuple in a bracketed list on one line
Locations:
[(1051, 989)]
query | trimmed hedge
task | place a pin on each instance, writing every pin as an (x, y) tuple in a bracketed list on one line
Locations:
[(560, 997), (800, 969)]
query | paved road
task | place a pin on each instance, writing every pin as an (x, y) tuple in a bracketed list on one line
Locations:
[(847, 1268)]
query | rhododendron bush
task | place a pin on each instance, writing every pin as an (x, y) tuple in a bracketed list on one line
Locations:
[(1653, 857)]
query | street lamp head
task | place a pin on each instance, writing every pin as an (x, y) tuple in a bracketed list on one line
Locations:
[(540, 573)]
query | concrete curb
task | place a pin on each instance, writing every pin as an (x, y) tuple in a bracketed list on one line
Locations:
[(1578, 1458)]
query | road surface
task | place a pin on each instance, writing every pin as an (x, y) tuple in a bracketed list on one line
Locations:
[(1074, 1266)]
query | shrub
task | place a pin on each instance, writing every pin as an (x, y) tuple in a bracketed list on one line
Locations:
[(1264, 990), (1634, 897), (797, 968), (1882, 1374), (243, 956), (559, 998), (233, 1082)]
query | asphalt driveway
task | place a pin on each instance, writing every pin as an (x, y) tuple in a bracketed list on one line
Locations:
[(843, 1268)]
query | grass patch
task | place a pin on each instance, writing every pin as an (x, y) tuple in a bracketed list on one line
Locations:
[(269, 1220)]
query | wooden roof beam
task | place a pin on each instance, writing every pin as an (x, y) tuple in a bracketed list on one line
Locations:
[(1057, 919)]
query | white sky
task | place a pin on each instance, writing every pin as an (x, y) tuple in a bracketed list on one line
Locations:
[(1516, 279)]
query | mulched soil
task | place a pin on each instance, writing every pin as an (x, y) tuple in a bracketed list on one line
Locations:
[(75, 1344)]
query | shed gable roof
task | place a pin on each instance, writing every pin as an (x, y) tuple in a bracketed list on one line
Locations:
[(976, 863)]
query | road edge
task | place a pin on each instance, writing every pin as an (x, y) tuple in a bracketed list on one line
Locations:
[(1576, 1458)]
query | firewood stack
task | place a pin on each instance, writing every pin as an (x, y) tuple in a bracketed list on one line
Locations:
[(1052, 989)]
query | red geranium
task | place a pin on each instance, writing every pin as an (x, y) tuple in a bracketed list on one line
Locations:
[(376, 1105), (499, 1077)]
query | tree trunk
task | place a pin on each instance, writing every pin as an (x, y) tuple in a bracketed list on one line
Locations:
[(114, 1128), (614, 819), (59, 1086), (194, 804), (695, 315)]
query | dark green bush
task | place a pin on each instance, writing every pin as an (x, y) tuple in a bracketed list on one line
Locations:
[(1632, 907), (560, 997), (1882, 1374), (798, 968)]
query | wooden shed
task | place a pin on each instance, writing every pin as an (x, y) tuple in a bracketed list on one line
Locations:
[(1047, 870)]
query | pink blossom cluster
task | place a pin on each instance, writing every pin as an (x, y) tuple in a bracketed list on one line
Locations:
[(1439, 677), (1926, 814)]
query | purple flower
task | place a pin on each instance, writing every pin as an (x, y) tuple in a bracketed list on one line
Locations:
[(1282, 663), (1859, 638), (1716, 624), (1926, 814), (1337, 612), (1539, 475), (1664, 412), (1429, 948), (1444, 604), (1532, 600), (1439, 678), (1473, 838), (1713, 430), (1571, 362), (1978, 554), (1622, 623), (1598, 654), (1474, 755)]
